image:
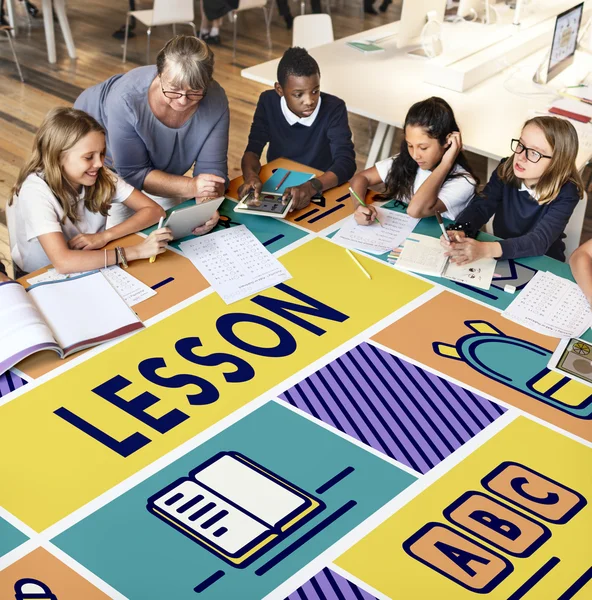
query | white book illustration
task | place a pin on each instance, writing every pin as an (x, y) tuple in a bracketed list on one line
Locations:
[(234, 507)]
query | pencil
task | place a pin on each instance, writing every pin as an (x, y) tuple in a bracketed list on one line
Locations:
[(358, 263), (153, 258), (279, 185), (351, 191), (441, 223)]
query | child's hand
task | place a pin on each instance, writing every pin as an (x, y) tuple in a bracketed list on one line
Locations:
[(154, 244), (89, 241), (207, 227), (301, 195), (365, 215), (454, 141), (466, 250), (251, 185), (455, 236)]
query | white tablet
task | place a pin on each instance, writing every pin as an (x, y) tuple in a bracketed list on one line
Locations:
[(270, 205), (184, 220)]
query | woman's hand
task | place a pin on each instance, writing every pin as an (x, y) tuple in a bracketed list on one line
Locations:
[(207, 227), (365, 215), (252, 185), (154, 244), (89, 241), (206, 185)]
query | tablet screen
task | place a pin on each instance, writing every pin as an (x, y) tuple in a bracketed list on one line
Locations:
[(267, 204)]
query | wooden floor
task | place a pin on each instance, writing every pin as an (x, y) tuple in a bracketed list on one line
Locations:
[(23, 106)]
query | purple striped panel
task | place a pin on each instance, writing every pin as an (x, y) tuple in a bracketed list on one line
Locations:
[(10, 382), (328, 585), (396, 408)]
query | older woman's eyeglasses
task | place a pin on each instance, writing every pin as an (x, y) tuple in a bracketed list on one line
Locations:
[(192, 96), (532, 155)]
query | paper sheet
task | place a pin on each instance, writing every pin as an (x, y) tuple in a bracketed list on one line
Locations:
[(573, 357), (551, 305), (235, 263), (478, 273), (374, 238), (131, 289)]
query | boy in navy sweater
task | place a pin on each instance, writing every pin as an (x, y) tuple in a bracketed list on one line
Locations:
[(302, 124)]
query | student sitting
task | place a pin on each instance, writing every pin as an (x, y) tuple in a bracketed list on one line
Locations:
[(430, 173), (532, 195), (62, 196), (303, 124), (581, 267)]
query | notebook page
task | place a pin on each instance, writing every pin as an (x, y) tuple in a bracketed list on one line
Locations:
[(478, 273), (422, 254), (82, 309), (23, 330), (551, 305), (377, 239), (235, 263), (209, 516)]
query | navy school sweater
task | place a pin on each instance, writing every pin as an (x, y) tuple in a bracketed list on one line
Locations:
[(527, 227), (325, 145)]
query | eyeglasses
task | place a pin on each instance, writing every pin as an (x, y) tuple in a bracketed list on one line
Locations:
[(531, 155), (191, 96)]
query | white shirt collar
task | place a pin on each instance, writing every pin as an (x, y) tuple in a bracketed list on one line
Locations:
[(293, 119), (532, 192)]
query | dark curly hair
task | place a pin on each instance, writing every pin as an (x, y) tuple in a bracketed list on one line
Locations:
[(297, 62), (436, 117)]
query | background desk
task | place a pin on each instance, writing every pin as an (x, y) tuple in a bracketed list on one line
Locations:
[(363, 393)]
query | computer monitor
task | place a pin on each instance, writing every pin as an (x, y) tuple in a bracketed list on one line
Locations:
[(413, 18), (565, 40)]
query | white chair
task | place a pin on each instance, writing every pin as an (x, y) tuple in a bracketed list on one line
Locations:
[(312, 30), (7, 30), (573, 231), (248, 5), (163, 12)]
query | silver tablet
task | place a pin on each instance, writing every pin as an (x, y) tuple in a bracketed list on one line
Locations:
[(184, 220)]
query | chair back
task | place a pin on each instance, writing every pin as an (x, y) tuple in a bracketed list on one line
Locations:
[(573, 231), (248, 4), (166, 12), (312, 30)]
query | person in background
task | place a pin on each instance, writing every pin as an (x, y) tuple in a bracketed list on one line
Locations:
[(303, 124), (531, 196), (581, 267)]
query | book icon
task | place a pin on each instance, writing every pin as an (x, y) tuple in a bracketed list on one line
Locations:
[(234, 507)]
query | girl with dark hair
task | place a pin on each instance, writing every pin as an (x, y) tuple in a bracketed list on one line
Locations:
[(430, 174)]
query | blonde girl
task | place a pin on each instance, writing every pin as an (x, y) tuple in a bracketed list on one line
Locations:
[(62, 197), (531, 196)]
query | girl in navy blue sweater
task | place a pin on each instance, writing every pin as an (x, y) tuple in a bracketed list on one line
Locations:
[(532, 195)]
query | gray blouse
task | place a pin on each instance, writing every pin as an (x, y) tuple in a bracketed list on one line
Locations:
[(137, 142)]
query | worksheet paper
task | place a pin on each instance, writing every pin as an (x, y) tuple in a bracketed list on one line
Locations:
[(552, 306), (374, 238), (131, 289), (235, 263)]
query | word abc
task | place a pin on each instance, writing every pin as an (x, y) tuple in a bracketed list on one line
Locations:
[(469, 563)]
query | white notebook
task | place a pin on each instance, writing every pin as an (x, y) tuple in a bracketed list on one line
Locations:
[(234, 507), (64, 316), (424, 254)]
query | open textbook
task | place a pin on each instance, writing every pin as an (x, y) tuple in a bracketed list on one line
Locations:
[(234, 507), (424, 254), (64, 316)]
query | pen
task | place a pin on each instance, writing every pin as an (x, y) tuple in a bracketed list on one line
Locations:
[(441, 223), (572, 97), (358, 263), (279, 185), (351, 191), (153, 258)]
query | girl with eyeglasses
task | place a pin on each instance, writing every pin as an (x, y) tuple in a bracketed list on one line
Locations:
[(531, 196)]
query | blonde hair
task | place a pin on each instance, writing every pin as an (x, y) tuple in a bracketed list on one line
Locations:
[(563, 139), (189, 62), (62, 129)]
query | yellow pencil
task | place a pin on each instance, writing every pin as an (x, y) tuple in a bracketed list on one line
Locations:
[(358, 263), (153, 258)]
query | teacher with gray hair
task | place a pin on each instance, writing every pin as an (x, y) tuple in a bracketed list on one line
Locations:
[(162, 120)]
